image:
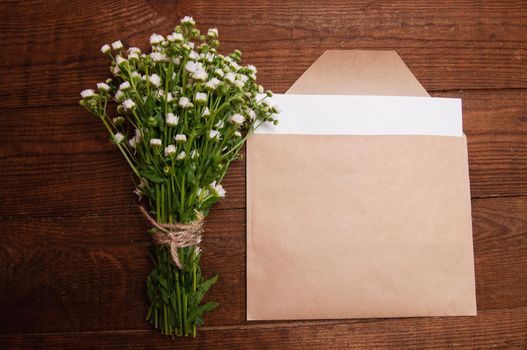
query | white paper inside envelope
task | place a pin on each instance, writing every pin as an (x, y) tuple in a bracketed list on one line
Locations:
[(365, 115)]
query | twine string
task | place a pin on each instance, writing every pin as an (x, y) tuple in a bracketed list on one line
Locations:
[(176, 235)]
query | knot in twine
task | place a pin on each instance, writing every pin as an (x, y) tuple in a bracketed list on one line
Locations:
[(176, 235)]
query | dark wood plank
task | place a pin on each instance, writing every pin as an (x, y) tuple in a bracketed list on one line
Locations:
[(58, 161), (466, 47), (91, 271), (505, 329), (496, 127), (62, 268), (84, 183)]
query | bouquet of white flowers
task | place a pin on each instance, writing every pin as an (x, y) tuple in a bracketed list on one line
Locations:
[(183, 112)]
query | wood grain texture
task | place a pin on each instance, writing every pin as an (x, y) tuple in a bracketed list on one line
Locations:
[(447, 44), (101, 269), (502, 330), (74, 249)]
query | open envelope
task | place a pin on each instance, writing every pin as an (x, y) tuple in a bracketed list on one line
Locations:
[(349, 226)]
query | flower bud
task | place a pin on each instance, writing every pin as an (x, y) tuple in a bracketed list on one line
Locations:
[(151, 121)]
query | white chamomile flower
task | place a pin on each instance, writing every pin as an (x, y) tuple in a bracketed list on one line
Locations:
[(160, 93), (155, 80), (178, 37), (213, 83), (251, 114), (138, 135), (118, 121), (180, 138), (209, 57), (105, 48), (119, 60), (119, 95), (251, 68), (267, 102), (220, 124), (128, 104), (218, 189), (200, 75), (219, 72), (133, 49), (170, 150), (230, 77), (155, 142), (193, 66), (184, 102), (132, 142), (196, 69), (200, 97), (193, 55), (243, 77), (125, 85), (237, 119), (206, 112), (237, 133), (171, 119), (87, 93), (158, 57), (133, 56), (239, 84), (214, 134), (156, 39), (169, 97), (213, 33), (188, 20), (235, 66), (136, 75), (118, 138), (181, 155), (103, 87), (117, 45), (190, 66)]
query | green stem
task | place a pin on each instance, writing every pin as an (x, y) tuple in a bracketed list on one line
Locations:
[(179, 301), (185, 326), (194, 290), (120, 147)]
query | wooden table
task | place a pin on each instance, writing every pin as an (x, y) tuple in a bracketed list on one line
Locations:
[(73, 246)]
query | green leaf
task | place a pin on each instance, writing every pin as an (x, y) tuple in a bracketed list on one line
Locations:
[(198, 312), (152, 176), (162, 282), (203, 288)]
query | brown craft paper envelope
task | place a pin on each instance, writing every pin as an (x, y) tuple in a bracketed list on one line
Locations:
[(358, 226)]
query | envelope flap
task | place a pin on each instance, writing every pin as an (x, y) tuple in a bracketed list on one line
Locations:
[(358, 72)]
